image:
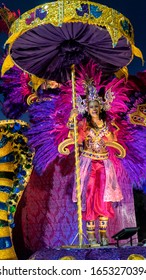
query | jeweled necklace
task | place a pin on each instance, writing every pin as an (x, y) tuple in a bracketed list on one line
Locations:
[(97, 126)]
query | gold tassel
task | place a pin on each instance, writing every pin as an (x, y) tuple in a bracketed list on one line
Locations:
[(122, 72)]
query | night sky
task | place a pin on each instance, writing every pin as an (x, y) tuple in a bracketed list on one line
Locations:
[(133, 10)]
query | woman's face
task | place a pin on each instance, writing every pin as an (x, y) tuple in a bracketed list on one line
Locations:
[(94, 108)]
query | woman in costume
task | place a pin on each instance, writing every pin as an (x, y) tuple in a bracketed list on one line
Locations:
[(96, 169)]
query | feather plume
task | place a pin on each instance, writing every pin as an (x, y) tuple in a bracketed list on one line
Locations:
[(15, 88)]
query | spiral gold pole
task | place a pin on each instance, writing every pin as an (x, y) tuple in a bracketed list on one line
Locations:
[(77, 162)]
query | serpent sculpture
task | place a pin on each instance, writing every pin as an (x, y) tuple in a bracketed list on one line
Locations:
[(15, 170)]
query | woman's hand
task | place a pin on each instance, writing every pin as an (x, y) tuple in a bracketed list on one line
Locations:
[(73, 113), (111, 137)]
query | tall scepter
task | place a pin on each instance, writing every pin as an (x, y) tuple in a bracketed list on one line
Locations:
[(62, 148), (77, 161)]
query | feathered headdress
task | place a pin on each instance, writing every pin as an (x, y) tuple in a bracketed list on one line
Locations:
[(92, 94)]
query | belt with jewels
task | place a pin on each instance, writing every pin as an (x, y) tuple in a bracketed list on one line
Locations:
[(92, 155)]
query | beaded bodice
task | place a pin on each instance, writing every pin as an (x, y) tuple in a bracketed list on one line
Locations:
[(94, 143)]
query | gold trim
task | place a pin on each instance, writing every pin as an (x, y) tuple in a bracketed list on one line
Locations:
[(8, 254), (137, 52), (138, 114), (4, 122), (32, 98), (4, 196), (67, 258), (36, 82), (62, 148), (8, 166), (6, 150), (136, 257), (123, 72), (6, 182), (8, 63), (102, 218), (110, 18), (4, 232), (117, 146), (3, 215), (96, 156)]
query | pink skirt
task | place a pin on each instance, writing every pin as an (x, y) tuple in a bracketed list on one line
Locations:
[(99, 188)]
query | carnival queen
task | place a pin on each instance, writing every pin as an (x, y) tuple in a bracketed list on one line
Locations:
[(99, 184)]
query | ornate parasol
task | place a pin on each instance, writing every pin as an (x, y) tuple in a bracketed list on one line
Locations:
[(49, 40)]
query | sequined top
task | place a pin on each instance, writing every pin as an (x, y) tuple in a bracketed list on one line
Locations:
[(93, 140)]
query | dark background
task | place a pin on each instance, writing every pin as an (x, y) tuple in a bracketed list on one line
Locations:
[(135, 11)]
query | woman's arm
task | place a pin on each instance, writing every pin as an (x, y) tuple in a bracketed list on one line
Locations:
[(81, 126), (111, 133)]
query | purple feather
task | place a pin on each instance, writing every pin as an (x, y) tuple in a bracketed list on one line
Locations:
[(47, 130), (15, 89)]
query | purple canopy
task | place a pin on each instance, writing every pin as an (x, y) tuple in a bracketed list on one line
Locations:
[(48, 51)]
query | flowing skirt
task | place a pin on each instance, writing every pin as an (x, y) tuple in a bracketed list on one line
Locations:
[(99, 188)]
